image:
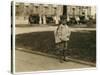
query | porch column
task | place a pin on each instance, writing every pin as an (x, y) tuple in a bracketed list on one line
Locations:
[(44, 19), (57, 19), (40, 19)]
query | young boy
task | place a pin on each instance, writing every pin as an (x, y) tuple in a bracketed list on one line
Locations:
[(62, 35)]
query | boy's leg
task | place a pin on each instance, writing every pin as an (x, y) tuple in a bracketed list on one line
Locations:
[(61, 52), (64, 55), (61, 56), (64, 50)]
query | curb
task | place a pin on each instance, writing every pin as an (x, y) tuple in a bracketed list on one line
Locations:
[(53, 56)]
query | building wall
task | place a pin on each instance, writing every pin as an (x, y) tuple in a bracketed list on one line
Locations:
[(23, 10), (77, 10)]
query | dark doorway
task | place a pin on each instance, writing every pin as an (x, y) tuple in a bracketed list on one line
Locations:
[(34, 19), (64, 10)]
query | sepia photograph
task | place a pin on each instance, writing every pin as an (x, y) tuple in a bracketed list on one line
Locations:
[(52, 37)]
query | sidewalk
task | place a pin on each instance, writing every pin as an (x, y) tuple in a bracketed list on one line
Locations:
[(28, 62), (42, 25), (21, 30)]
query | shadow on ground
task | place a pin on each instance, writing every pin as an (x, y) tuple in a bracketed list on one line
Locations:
[(82, 45)]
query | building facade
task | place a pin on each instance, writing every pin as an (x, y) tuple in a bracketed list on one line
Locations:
[(48, 13)]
